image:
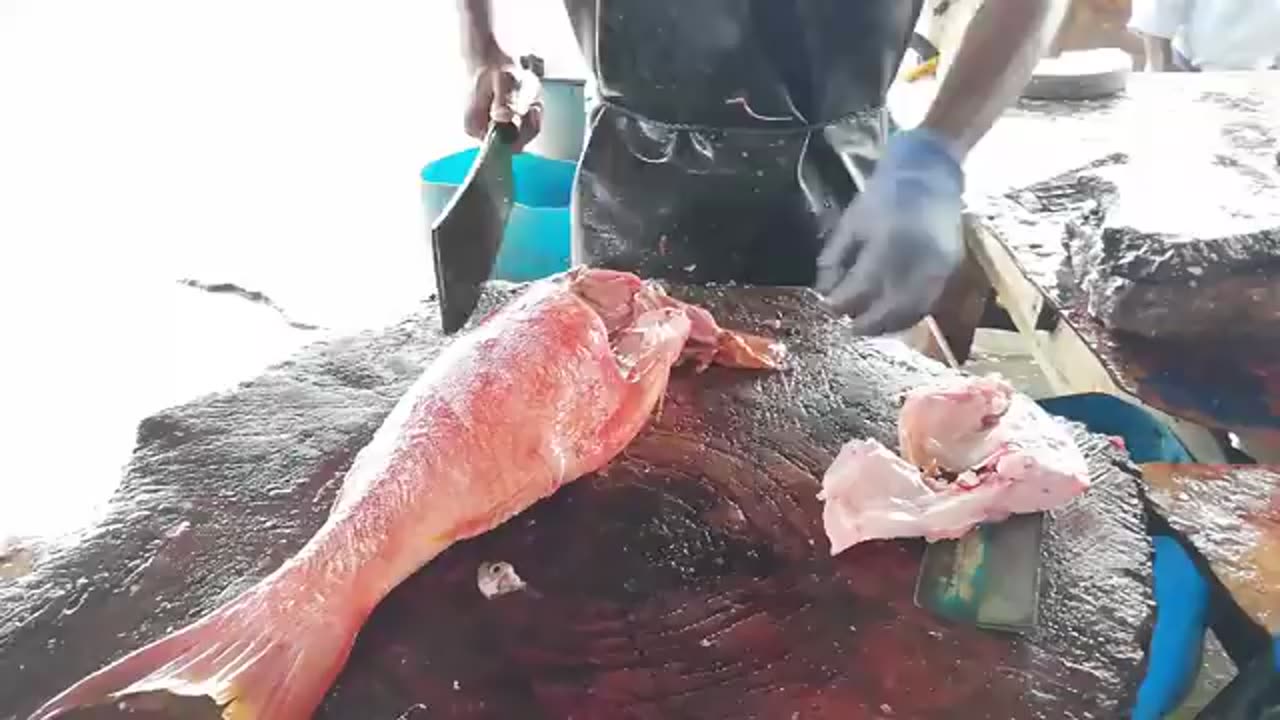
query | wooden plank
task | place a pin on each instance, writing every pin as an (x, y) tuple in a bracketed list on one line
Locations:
[(959, 311), (1231, 514), (1261, 446)]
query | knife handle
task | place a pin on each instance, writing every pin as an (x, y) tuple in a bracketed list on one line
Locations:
[(533, 64), (535, 68)]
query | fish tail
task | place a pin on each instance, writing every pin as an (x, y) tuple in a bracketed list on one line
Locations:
[(260, 657)]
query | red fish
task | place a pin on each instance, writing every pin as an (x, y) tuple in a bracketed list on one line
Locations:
[(547, 389)]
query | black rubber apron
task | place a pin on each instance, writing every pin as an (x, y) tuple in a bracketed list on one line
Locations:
[(731, 133)]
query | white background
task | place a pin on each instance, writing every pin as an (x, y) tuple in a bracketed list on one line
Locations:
[(270, 143)]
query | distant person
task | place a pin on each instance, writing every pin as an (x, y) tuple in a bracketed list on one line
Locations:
[(1194, 35)]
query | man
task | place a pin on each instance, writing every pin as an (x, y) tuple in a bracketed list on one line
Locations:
[(734, 136), (1192, 35)]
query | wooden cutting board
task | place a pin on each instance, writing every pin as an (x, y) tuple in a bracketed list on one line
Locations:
[(690, 579)]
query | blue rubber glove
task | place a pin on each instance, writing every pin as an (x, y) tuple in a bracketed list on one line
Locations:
[(892, 252)]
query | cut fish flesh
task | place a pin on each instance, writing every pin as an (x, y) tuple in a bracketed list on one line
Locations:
[(973, 450)]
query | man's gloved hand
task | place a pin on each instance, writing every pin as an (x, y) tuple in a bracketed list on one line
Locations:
[(900, 240), (503, 92)]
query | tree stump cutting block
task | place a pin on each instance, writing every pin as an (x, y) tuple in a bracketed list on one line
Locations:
[(689, 579)]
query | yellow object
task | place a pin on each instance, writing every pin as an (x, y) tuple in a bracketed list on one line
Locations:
[(924, 69)]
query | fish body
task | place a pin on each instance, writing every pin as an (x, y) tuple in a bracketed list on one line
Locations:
[(973, 451), (549, 388)]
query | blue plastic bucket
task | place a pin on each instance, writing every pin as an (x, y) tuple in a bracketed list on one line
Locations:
[(1146, 439), (536, 243)]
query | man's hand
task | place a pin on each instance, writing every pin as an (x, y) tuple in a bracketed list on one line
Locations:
[(900, 240), (503, 92)]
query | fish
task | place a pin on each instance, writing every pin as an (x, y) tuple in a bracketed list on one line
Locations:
[(549, 387), (974, 450)]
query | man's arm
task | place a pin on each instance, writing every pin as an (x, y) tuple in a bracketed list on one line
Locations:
[(895, 247), (479, 42), (501, 91), (1156, 22), (1000, 49)]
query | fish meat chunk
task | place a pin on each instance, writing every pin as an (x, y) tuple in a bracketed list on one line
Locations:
[(974, 450), (545, 390)]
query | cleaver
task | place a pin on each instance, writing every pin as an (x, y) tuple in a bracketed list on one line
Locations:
[(466, 237), (989, 578)]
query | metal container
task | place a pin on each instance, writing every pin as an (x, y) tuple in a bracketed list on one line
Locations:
[(564, 120)]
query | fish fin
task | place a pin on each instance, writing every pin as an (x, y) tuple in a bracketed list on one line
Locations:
[(749, 352), (645, 352), (652, 343), (252, 657)]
